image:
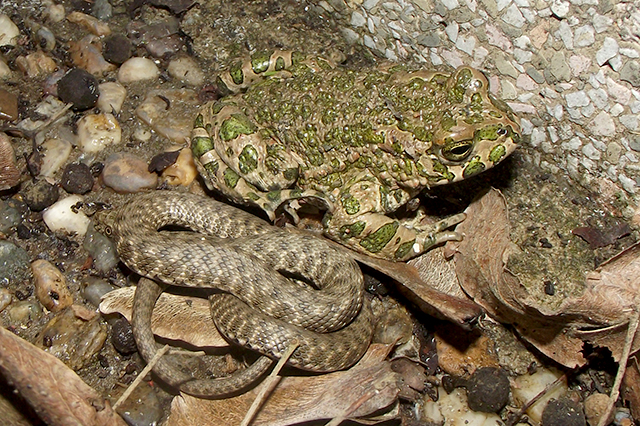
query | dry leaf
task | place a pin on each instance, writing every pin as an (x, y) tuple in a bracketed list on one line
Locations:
[(631, 387), (54, 391), (181, 318), (599, 316), (361, 391)]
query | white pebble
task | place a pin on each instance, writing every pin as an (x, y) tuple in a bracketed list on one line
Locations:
[(112, 96), (136, 69), (60, 217), (186, 69), (96, 131), (56, 12), (56, 153), (5, 299), (5, 71), (9, 31), (527, 386)]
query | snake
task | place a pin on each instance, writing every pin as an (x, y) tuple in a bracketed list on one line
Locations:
[(271, 288)]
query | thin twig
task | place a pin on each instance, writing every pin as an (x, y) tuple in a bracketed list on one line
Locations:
[(622, 367), (269, 384), (515, 418), (141, 376)]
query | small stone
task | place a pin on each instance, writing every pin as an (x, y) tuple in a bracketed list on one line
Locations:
[(86, 53), (357, 20), (603, 125), (142, 408), (24, 312), (9, 172), (39, 195), (116, 49), (505, 67), (630, 53), (8, 106), (535, 75), (563, 412), (63, 216), (14, 263), (601, 23), (79, 88), (122, 337), (630, 121), (112, 96), (89, 23), (5, 298), (95, 288), (584, 36), (187, 70), (620, 93), (101, 249), (169, 112), (577, 99), (630, 72), (508, 90), (431, 39), (183, 171), (55, 12), (55, 154), (488, 390), (591, 152), (137, 69), (559, 68), (74, 339), (565, 34), (10, 217), (560, 8), (608, 50), (496, 38), (579, 64), (77, 179), (466, 44), (124, 172), (36, 64), (599, 97), (9, 32), (612, 154), (96, 131), (50, 286), (525, 82)]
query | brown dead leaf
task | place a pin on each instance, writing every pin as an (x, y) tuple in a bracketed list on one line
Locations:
[(367, 388), (54, 391), (631, 387), (599, 316), (169, 317)]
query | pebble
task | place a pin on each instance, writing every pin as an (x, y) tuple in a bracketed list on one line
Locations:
[(77, 178), (80, 88), (73, 340), (170, 112), (24, 312), (39, 194), (137, 69), (187, 70), (55, 12), (55, 154), (36, 64), (50, 286), (95, 288), (608, 50), (9, 172), (603, 125), (630, 72), (112, 96), (125, 172), (5, 71), (61, 217), (5, 299), (183, 171), (96, 131), (563, 412), (10, 217), (89, 23), (594, 407), (86, 54), (560, 8), (584, 36), (8, 106), (101, 249), (122, 337), (9, 32), (488, 390), (14, 263), (142, 408), (117, 49)]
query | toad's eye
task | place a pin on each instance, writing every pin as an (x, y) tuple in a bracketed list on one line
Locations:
[(457, 150)]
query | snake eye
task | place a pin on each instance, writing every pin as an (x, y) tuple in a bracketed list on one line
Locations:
[(107, 231), (457, 150)]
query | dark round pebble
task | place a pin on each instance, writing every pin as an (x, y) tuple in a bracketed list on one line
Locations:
[(79, 88), (122, 337), (77, 178), (563, 412), (39, 195), (488, 390), (116, 49)]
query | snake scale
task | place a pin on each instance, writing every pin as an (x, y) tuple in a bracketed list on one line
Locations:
[(263, 274)]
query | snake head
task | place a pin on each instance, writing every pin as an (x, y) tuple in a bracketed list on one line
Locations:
[(104, 221)]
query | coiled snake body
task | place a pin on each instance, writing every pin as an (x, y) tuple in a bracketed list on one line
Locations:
[(222, 247)]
